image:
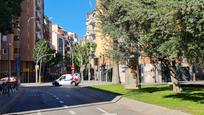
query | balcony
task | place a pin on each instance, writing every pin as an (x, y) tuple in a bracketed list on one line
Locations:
[(39, 35), (91, 32), (38, 14), (17, 32), (38, 26), (38, 4), (93, 21), (17, 44)]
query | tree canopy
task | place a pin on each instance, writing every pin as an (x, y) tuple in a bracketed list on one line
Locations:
[(9, 10), (170, 28), (82, 53), (41, 50)]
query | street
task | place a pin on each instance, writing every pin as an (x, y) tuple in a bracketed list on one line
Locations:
[(67, 100)]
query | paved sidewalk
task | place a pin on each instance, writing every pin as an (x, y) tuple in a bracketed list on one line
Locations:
[(6, 102), (149, 109), (82, 84)]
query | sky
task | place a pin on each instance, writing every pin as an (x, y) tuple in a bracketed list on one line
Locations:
[(69, 14)]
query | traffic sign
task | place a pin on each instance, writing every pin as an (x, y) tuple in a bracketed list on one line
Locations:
[(72, 68)]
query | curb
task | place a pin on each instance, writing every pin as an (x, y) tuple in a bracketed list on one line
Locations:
[(10, 103)]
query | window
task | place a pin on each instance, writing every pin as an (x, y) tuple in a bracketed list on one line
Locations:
[(4, 38), (4, 51), (16, 38), (15, 50)]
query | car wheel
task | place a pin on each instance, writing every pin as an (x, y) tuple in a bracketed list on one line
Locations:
[(73, 83)]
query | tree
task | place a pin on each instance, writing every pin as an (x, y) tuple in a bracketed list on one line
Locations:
[(117, 24), (82, 53), (170, 29), (42, 52), (9, 10)]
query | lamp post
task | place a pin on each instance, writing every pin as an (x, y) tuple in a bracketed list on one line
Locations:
[(9, 66), (28, 34)]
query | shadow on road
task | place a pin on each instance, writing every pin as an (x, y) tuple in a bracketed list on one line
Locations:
[(50, 98)]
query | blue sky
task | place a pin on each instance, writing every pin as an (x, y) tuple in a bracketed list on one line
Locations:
[(70, 14)]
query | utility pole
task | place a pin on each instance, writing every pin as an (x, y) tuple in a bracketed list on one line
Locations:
[(9, 65)]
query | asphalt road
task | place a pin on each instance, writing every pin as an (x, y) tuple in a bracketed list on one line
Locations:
[(67, 100)]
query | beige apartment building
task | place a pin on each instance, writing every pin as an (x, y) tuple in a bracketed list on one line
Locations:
[(94, 34)]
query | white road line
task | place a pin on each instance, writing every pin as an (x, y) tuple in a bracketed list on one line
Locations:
[(57, 98), (39, 113), (110, 114), (72, 112), (65, 106), (61, 101), (105, 112), (101, 110)]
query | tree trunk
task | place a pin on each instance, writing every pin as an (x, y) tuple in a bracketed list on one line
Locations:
[(116, 73), (40, 71), (138, 85), (175, 83), (81, 71)]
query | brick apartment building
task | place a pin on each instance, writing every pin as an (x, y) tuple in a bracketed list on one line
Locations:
[(21, 43)]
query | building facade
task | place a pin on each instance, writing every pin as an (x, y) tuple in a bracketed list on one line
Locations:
[(17, 48)]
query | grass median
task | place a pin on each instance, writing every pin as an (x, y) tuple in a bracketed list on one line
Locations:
[(191, 100)]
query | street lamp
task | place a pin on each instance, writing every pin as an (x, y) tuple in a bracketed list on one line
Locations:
[(28, 33), (9, 66)]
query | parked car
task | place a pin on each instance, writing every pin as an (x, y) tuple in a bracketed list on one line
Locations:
[(13, 80), (67, 79)]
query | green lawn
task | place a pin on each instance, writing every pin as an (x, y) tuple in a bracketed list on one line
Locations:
[(191, 100)]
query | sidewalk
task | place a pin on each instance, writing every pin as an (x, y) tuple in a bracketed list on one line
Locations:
[(36, 84), (82, 84), (148, 109), (6, 102)]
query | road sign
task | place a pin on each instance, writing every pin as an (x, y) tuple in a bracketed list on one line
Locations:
[(72, 68)]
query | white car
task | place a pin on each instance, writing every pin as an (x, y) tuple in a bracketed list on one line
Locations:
[(67, 79)]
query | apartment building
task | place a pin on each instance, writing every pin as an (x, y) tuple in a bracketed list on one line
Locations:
[(91, 26), (101, 60), (32, 17), (9, 51), (58, 38), (17, 48)]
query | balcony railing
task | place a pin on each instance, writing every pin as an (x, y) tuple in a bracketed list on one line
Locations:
[(17, 44), (38, 4), (38, 14), (38, 26), (39, 35)]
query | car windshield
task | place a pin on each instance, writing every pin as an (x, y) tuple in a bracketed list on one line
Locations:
[(62, 77)]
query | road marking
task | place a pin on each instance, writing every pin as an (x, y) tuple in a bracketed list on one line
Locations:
[(105, 112), (39, 113), (61, 101), (110, 114), (65, 106), (72, 112), (57, 98), (101, 110)]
